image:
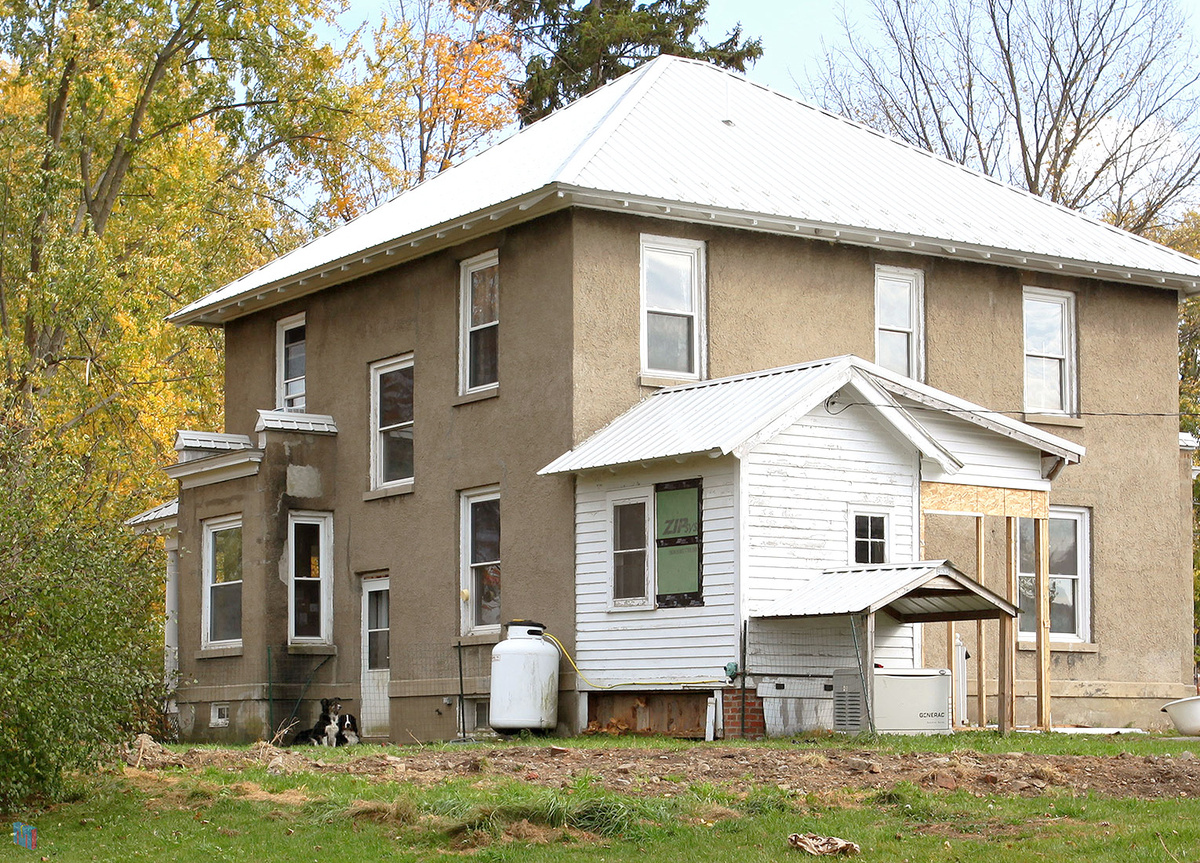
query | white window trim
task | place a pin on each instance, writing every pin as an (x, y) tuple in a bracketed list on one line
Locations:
[(370, 586), (615, 499), (696, 249), (215, 717), (325, 521), (851, 536), (916, 280), (1082, 516), (377, 369), (210, 527), (466, 268), (281, 328), (1070, 360), (466, 582)]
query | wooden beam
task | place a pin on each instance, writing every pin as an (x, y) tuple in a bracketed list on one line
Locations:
[(1006, 694), (1041, 590), (980, 651)]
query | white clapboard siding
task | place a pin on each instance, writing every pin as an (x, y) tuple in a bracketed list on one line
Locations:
[(666, 646), (821, 645), (801, 487), (989, 459)]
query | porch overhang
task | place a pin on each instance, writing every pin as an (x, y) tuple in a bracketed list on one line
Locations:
[(927, 591)]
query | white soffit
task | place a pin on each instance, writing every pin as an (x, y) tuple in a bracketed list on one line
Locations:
[(731, 414), (685, 140)]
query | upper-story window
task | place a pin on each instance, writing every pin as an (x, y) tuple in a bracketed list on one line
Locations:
[(1049, 351), (1070, 575), (392, 422), (289, 363), (899, 320), (221, 569), (479, 323), (673, 331), (310, 576)]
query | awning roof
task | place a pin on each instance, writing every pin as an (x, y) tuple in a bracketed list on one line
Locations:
[(922, 592)]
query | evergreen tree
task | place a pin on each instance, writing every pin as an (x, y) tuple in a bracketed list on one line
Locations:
[(577, 49)]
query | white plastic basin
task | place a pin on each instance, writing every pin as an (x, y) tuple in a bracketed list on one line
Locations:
[(1185, 713)]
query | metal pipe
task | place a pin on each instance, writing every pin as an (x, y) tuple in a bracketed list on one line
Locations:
[(462, 705)]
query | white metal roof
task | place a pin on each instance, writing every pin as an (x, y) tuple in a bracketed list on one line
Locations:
[(731, 415), (685, 140), (295, 421), (210, 441), (924, 591), (156, 518)]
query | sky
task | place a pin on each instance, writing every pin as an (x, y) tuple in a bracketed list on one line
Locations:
[(791, 31)]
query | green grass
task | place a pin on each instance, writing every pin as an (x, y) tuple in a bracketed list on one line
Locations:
[(248, 814)]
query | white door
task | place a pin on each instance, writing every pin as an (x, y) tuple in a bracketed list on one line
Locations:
[(376, 660)]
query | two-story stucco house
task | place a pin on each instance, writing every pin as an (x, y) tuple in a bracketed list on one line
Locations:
[(584, 378)]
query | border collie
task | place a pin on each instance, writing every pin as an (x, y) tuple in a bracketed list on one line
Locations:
[(332, 728)]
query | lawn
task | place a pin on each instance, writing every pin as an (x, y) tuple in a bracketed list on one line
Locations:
[(214, 811)]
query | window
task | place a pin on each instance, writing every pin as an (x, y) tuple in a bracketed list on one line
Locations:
[(378, 631), (899, 321), (1070, 575), (310, 578), (222, 575), (672, 307), (392, 422), (870, 538), (630, 527), (1049, 351), (479, 313), (289, 363), (218, 715), (481, 561)]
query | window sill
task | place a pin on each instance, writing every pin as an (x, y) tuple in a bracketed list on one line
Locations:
[(479, 639), (645, 380), (389, 491), (1062, 646), (312, 649), (1062, 420), (641, 606), (217, 652), (478, 396)]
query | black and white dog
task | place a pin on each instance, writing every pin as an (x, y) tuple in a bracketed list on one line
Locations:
[(333, 728)]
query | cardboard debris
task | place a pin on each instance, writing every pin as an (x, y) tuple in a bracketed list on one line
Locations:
[(823, 846)]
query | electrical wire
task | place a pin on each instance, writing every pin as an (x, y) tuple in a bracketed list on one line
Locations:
[(583, 677)]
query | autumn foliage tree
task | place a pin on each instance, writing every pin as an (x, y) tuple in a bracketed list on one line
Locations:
[(149, 153)]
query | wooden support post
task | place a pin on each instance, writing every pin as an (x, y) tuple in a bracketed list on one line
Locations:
[(871, 670), (980, 651), (1006, 694), (1041, 590)]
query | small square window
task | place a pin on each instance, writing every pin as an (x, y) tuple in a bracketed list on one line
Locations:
[(218, 716), (870, 538)]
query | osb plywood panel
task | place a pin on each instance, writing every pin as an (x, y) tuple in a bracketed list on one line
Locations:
[(679, 714), (1018, 503)]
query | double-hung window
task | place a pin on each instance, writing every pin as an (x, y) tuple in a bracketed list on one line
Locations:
[(479, 323), (657, 547), (673, 330), (870, 538), (289, 363), (1050, 372), (392, 422), (1070, 575), (899, 320), (222, 575), (310, 578), (480, 566)]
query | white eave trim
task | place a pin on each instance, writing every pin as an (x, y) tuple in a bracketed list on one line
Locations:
[(216, 468), (557, 196)]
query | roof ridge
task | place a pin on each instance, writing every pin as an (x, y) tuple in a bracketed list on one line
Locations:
[(761, 373)]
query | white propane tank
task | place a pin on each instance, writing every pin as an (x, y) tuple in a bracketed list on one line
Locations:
[(524, 680)]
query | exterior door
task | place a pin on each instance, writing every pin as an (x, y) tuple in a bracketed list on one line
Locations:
[(376, 659)]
